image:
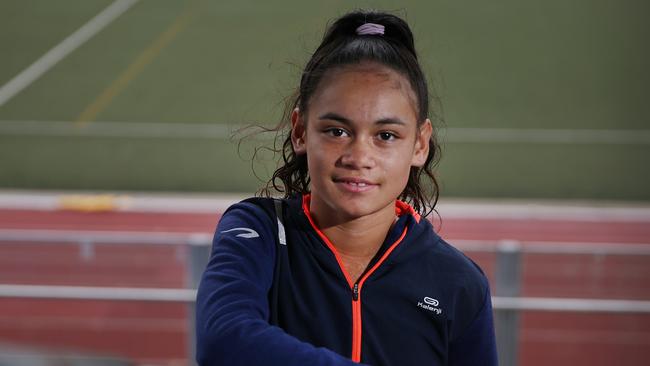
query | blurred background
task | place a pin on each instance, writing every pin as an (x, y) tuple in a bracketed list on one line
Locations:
[(119, 151)]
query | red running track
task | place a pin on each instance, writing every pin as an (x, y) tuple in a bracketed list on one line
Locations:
[(156, 333)]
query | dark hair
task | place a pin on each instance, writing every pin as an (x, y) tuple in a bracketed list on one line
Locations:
[(342, 46)]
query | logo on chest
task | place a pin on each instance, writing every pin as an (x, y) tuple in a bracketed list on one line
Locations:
[(430, 304)]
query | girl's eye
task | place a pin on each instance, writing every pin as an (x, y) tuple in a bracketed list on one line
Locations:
[(337, 132), (386, 136)]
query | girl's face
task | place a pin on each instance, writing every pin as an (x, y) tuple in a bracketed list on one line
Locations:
[(361, 138)]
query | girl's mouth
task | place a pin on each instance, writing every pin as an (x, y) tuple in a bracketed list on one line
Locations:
[(354, 185)]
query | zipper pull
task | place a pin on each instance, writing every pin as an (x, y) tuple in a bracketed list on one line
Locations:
[(355, 292)]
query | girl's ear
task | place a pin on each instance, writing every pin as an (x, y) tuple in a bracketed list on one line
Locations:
[(298, 132), (421, 150)]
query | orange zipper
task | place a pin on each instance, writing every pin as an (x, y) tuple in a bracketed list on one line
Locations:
[(356, 301), (356, 324)]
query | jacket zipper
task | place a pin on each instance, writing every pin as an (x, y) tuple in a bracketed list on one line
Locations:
[(356, 324), (356, 297), (356, 286)]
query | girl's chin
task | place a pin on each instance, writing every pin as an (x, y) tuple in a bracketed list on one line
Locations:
[(351, 209)]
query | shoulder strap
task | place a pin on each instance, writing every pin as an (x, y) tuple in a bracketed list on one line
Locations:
[(275, 212), (282, 237), (281, 264)]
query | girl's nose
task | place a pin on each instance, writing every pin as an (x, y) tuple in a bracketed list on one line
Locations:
[(359, 154)]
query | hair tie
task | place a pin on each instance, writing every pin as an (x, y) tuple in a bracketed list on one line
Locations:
[(370, 29)]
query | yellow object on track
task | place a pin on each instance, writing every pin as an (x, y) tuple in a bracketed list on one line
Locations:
[(91, 203)]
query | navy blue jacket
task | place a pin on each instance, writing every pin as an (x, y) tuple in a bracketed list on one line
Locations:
[(274, 293)]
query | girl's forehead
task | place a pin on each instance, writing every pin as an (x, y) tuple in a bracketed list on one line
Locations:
[(366, 77), (368, 71)]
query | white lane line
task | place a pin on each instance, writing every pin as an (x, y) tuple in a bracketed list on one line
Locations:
[(60, 51), (225, 130)]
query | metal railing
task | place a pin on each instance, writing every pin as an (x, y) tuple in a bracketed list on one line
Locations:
[(506, 300)]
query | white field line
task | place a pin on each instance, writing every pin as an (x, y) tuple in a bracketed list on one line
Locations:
[(60, 51), (119, 129), (225, 131), (547, 136), (214, 203)]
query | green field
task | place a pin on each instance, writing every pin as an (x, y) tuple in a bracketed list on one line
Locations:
[(567, 70)]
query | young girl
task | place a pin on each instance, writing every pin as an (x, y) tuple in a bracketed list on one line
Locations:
[(344, 269)]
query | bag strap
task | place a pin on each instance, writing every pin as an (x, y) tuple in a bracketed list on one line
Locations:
[(280, 266), (282, 236)]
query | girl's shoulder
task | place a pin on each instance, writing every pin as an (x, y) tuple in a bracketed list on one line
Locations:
[(256, 206), (258, 212), (255, 213)]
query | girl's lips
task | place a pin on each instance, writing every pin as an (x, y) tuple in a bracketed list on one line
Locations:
[(354, 185)]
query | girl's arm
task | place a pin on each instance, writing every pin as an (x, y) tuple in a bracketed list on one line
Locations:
[(477, 344), (232, 305)]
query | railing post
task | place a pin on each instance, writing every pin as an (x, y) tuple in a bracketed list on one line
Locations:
[(508, 284), (197, 259), (86, 249)]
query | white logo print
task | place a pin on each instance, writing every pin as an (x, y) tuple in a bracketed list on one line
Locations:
[(431, 301), (248, 233), (430, 304)]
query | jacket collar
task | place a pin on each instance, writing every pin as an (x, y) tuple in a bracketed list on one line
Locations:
[(401, 208)]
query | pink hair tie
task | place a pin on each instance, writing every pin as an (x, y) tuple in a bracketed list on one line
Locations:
[(370, 29)]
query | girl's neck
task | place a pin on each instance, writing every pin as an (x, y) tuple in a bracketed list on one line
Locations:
[(358, 237)]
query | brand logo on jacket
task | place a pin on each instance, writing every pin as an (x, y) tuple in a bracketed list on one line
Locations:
[(247, 233), (429, 303)]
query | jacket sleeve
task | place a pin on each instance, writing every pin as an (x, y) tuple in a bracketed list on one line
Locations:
[(477, 344), (232, 308)]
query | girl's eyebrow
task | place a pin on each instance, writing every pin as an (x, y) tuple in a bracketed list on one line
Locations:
[(335, 117), (390, 121), (383, 121)]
